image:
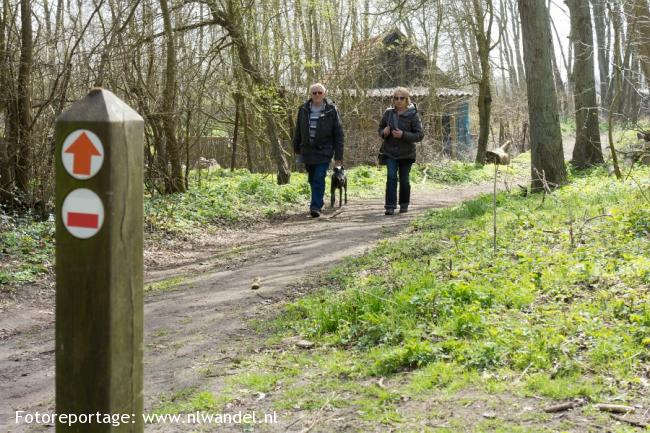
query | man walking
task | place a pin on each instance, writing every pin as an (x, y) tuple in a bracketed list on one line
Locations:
[(318, 137)]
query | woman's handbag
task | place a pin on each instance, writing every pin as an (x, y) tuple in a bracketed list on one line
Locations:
[(392, 122)]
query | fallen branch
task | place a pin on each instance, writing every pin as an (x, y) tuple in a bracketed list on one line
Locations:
[(614, 408), (634, 422), (605, 215), (641, 190), (318, 416), (568, 405), (335, 214)]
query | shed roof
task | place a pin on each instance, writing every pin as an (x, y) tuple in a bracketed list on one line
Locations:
[(441, 92), (386, 60), (387, 92)]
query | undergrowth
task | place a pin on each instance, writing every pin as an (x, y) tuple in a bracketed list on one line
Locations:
[(564, 304)]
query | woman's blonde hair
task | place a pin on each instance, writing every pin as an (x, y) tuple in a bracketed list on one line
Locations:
[(405, 92)]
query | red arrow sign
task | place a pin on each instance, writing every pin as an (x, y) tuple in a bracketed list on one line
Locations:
[(83, 150)]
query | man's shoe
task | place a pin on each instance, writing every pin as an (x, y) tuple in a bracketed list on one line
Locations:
[(389, 212), (315, 213), (403, 209)]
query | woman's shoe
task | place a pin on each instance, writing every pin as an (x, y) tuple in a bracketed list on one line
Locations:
[(389, 212), (403, 209)]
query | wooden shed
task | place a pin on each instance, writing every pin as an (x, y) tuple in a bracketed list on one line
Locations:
[(362, 86)]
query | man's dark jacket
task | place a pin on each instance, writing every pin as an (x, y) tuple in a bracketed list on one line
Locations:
[(411, 126), (329, 135)]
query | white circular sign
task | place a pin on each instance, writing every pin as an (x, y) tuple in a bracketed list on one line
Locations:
[(82, 213), (82, 154)]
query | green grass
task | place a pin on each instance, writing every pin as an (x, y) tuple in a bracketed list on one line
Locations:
[(190, 400), (167, 285), (223, 198), (434, 327), (544, 301), (623, 134), (26, 251), (562, 310)]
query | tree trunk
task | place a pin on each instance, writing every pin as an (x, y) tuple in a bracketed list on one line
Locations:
[(233, 27), (469, 58), (560, 88), (628, 72), (175, 182), (294, 58), (633, 100), (512, 75), (547, 156), (642, 14), (617, 86), (354, 21), (587, 151), (306, 41), (603, 54), (485, 94), (366, 14), (515, 36), (233, 159), (24, 100), (6, 175), (502, 72), (317, 59), (248, 137)]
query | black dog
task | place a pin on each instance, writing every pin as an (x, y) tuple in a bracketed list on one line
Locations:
[(340, 182)]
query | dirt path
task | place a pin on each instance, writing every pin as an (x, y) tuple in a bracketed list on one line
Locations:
[(204, 319)]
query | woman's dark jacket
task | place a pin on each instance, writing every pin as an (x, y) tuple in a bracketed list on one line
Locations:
[(329, 135), (409, 123)]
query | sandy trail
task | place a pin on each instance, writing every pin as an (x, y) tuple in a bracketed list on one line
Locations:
[(207, 315)]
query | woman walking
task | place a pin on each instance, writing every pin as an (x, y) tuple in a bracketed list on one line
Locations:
[(401, 128)]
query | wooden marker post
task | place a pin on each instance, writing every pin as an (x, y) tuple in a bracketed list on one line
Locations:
[(99, 264)]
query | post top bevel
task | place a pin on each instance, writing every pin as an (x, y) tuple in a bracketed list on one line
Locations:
[(100, 105)]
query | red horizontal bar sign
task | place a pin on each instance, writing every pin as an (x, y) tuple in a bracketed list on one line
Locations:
[(84, 220)]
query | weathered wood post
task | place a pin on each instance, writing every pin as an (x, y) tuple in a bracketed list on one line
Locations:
[(498, 156), (99, 264)]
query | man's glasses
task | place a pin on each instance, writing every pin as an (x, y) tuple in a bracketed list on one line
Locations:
[(317, 93), (399, 98)]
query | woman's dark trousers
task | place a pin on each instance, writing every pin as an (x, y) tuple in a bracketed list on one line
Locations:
[(398, 169)]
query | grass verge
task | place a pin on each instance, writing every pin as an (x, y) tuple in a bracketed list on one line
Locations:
[(561, 311)]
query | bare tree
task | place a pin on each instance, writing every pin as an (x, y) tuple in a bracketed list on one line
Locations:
[(228, 19), (174, 183), (516, 37), (547, 156), (603, 48), (587, 150), (483, 37), (641, 13), (23, 137), (6, 175)]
